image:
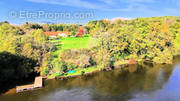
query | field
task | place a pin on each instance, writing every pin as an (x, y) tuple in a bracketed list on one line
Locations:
[(72, 43)]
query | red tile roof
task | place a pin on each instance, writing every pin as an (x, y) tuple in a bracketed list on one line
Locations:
[(55, 33)]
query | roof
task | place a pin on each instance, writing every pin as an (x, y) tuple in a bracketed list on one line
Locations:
[(55, 33)]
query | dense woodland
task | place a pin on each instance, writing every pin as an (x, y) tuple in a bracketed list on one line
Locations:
[(25, 49)]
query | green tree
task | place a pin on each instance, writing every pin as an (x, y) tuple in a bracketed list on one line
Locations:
[(73, 33)]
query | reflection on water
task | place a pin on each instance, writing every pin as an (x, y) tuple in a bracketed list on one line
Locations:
[(145, 82), (169, 92)]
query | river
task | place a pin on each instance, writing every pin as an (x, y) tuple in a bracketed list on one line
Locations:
[(146, 82)]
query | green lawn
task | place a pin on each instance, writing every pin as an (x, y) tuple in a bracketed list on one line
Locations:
[(72, 43)]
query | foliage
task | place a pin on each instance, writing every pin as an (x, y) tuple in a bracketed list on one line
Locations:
[(103, 58), (59, 66), (106, 43), (155, 39), (8, 38), (86, 35), (35, 45), (81, 58), (22, 53), (73, 33)]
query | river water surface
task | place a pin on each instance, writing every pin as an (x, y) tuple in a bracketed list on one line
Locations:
[(147, 82)]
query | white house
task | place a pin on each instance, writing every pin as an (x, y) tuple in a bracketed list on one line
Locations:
[(62, 34)]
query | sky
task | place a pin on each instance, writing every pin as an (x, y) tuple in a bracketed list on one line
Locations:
[(82, 11)]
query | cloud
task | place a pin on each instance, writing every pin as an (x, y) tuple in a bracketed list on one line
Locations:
[(121, 18), (142, 0), (109, 5), (73, 3), (108, 2)]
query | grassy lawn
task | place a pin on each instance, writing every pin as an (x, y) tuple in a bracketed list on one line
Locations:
[(72, 43)]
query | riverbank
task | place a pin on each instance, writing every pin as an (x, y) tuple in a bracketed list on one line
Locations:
[(91, 70), (78, 72), (132, 69), (109, 85)]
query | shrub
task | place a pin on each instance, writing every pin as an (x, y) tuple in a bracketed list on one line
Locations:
[(82, 58), (58, 66), (86, 35), (103, 58)]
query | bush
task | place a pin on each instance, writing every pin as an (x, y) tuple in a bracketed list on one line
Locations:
[(81, 58), (73, 33), (103, 58), (45, 71), (86, 35), (58, 66)]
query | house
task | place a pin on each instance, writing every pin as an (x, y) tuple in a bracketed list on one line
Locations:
[(63, 34), (56, 34), (51, 34)]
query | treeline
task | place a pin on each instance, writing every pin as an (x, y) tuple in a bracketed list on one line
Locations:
[(154, 39), (118, 42), (71, 28), (21, 54), (27, 50), (28, 43)]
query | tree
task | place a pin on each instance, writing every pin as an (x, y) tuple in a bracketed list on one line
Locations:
[(38, 36), (45, 27), (8, 39), (73, 33)]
